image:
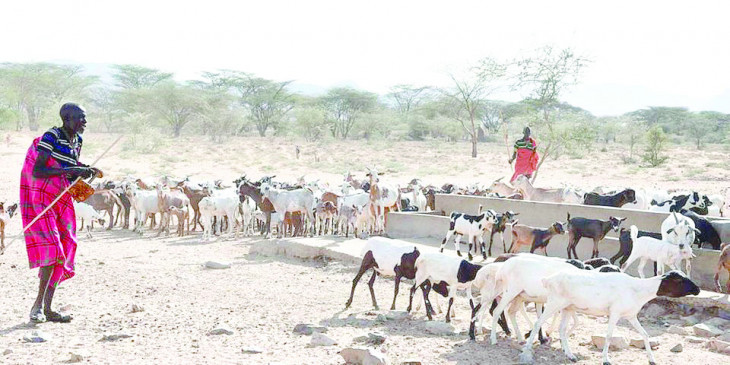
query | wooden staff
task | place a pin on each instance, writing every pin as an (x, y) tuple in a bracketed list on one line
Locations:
[(58, 197)]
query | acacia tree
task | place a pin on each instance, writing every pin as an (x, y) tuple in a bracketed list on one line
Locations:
[(174, 103), (344, 106), (266, 101), (547, 75), (468, 94), (33, 88)]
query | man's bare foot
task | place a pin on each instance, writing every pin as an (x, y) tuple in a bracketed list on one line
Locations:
[(36, 316), (52, 316)]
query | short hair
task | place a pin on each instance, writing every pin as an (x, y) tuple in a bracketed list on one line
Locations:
[(69, 110)]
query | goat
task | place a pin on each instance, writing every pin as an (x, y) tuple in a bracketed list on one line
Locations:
[(87, 214), (471, 226), (436, 267), (501, 220), (383, 197), (247, 209), (182, 216), (347, 219), (520, 279), (145, 202), (194, 193), (616, 295), (105, 200), (535, 237), (589, 228), (678, 229), (693, 201), (560, 195), (387, 257), (299, 200), (252, 190), (5, 216), (326, 212), (218, 206), (723, 262), (614, 200), (648, 248), (502, 188), (167, 199), (624, 239), (705, 231)]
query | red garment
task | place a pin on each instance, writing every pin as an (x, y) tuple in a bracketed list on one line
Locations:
[(526, 162), (50, 241)]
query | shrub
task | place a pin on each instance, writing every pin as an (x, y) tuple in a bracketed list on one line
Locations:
[(656, 141)]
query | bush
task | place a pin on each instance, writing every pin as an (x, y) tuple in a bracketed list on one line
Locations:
[(656, 141)]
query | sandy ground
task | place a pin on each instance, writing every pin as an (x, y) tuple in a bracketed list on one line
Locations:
[(262, 298)]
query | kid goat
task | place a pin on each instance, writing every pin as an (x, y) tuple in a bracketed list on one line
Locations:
[(471, 226)]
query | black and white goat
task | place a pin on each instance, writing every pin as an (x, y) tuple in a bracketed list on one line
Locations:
[(706, 232), (501, 221), (455, 272), (589, 228), (615, 295), (471, 226), (387, 257)]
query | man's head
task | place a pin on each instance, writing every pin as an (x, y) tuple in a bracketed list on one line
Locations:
[(527, 132), (73, 117)]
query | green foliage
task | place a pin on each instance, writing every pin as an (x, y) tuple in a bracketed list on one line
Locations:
[(310, 123), (656, 143), (344, 107)]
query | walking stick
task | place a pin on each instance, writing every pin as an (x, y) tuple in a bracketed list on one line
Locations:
[(58, 197)]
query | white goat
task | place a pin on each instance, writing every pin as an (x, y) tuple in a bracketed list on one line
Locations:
[(247, 209), (648, 248), (616, 295), (218, 206), (144, 202), (88, 215), (299, 200), (678, 229)]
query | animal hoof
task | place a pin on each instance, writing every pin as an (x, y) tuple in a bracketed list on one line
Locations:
[(458, 253), (525, 356), (573, 359), (608, 363), (471, 257)]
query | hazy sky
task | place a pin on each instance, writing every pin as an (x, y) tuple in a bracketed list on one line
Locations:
[(645, 53)]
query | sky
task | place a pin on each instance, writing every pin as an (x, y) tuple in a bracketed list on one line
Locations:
[(643, 53)]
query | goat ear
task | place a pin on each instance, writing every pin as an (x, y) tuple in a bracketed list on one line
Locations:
[(381, 173), (670, 230), (697, 230)]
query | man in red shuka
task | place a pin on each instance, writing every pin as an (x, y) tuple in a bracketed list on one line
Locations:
[(526, 154)]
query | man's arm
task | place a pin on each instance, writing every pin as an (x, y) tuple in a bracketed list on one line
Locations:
[(42, 171)]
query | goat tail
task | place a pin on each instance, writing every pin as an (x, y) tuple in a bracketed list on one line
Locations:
[(634, 233)]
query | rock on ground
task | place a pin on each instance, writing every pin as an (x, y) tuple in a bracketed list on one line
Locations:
[(410, 362), (363, 356), (7, 352), (615, 343), (252, 350), (319, 339), (308, 329), (705, 330), (376, 338), (37, 337), (396, 315), (137, 308), (639, 343), (677, 348), (221, 330), (217, 265), (694, 339), (676, 330), (717, 322), (653, 310), (74, 357), (115, 337), (717, 345)]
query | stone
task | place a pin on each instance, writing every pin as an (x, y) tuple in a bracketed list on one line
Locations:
[(639, 343), (319, 339), (439, 328), (252, 350), (308, 329), (363, 356), (703, 330), (615, 343), (396, 315), (677, 348), (7, 352), (725, 336), (723, 314), (676, 330), (693, 339), (136, 308), (376, 338), (115, 336), (37, 337), (74, 357), (717, 345), (653, 310), (217, 265), (691, 320), (361, 339), (221, 330), (381, 318), (410, 362), (717, 322)]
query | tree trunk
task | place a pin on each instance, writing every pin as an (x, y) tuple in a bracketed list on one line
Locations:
[(32, 119), (474, 141), (176, 129)]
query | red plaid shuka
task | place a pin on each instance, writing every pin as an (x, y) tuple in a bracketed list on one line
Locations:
[(50, 241)]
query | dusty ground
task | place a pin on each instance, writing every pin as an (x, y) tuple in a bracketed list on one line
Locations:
[(263, 298)]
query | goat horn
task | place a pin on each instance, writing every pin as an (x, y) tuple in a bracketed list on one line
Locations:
[(500, 179), (674, 214)]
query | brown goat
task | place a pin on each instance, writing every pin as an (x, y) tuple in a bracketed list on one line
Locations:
[(723, 263), (535, 237), (105, 200), (4, 220)]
